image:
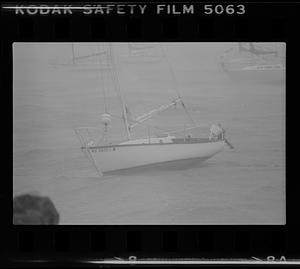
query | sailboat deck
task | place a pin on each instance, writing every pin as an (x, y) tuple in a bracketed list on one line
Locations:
[(174, 141), (190, 140)]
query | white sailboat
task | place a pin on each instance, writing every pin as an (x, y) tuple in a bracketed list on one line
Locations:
[(80, 57), (254, 63), (144, 53), (135, 152)]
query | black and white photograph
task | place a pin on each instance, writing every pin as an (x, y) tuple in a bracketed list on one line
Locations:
[(173, 133)]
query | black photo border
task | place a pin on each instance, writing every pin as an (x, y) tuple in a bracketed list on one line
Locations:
[(268, 21)]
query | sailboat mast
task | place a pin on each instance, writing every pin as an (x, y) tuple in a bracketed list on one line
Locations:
[(175, 85), (117, 85)]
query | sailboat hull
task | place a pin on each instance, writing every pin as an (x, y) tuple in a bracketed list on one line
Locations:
[(119, 157), (256, 75)]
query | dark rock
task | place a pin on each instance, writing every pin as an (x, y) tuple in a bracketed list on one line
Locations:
[(33, 209)]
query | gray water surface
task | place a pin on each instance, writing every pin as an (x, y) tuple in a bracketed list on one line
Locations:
[(241, 186)]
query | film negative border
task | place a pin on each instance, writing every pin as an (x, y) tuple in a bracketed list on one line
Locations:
[(199, 26), (262, 22), (146, 242)]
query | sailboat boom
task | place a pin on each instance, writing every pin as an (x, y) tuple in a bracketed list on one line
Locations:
[(150, 114)]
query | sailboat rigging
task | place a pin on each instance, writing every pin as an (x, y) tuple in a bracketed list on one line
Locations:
[(254, 63), (107, 156), (77, 59)]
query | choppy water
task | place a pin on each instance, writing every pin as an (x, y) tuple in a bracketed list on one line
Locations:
[(241, 186)]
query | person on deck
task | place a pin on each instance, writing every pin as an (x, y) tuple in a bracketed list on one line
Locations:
[(216, 132), (222, 133)]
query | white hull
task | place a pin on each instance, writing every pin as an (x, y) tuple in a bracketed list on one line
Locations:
[(79, 67), (126, 156), (256, 75), (246, 71)]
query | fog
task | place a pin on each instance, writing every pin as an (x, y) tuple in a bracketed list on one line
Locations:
[(52, 96)]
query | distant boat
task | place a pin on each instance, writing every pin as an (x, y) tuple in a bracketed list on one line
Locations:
[(106, 156), (144, 53), (253, 64), (92, 58), (81, 57)]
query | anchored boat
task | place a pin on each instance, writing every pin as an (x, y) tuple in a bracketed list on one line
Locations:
[(80, 57), (134, 152), (253, 64)]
